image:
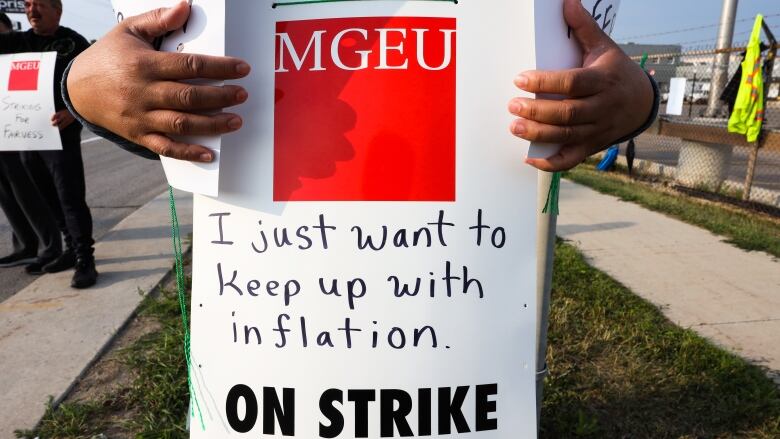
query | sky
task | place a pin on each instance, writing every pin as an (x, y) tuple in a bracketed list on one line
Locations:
[(640, 21)]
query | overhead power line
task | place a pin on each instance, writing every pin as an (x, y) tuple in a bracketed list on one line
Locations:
[(688, 29), (712, 40)]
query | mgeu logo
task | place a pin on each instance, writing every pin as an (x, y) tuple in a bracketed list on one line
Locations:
[(24, 76)]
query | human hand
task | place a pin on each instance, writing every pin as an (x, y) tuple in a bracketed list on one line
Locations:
[(122, 84), (62, 119), (607, 98)]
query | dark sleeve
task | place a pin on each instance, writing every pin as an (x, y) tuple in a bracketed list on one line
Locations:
[(650, 119), (81, 44), (102, 132), (11, 43)]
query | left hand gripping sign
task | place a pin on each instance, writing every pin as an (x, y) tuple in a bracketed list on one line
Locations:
[(368, 269), (203, 34), (27, 102)]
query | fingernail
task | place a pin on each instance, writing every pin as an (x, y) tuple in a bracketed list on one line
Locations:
[(205, 157), (234, 123), (516, 107), (521, 81), (518, 128), (242, 96), (242, 68)]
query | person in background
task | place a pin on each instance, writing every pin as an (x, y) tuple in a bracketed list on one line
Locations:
[(607, 99), (34, 233), (59, 175), (5, 24)]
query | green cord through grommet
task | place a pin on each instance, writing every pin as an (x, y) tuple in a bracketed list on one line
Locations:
[(180, 286), (551, 206)]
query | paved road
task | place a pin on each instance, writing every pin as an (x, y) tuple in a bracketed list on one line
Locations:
[(118, 183)]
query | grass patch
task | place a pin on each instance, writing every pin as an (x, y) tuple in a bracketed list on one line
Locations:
[(619, 369), (153, 405), (745, 230)]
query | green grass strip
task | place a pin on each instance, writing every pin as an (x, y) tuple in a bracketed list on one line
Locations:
[(745, 230), (620, 369)]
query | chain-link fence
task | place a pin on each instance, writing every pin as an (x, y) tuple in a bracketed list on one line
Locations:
[(690, 144)]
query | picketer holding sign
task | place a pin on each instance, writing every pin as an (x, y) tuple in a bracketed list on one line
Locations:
[(58, 175)]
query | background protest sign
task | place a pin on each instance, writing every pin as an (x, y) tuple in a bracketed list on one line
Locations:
[(27, 102), (12, 6), (204, 33), (368, 269)]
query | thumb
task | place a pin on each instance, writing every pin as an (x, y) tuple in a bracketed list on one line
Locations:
[(159, 22), (585, 29)]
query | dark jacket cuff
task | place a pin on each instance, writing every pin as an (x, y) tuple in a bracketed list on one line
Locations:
[(102, 132), (653, 114)]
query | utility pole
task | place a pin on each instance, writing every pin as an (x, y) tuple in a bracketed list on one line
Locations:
[(720, 68)]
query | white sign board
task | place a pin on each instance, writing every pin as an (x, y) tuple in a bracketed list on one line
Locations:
[(27, 102), (368, 269), (204, 33), (674, 105)]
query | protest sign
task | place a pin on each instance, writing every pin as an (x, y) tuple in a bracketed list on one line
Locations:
[(204, 33), (368, 268), (27, 102)]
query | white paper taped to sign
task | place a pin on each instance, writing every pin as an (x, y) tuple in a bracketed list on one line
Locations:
[(567, 53), (368, 269), (204, 33), (27, 102), (676, 100)]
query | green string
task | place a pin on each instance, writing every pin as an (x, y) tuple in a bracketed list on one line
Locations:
[(551, 206), (180, 287)]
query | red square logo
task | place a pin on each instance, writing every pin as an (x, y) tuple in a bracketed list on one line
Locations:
[(365, 109), (24, 76)]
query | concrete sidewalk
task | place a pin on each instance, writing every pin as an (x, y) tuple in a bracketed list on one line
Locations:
[(51, 333), (700, 282)]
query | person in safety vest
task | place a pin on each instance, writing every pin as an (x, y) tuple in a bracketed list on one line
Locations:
[(609, 99)]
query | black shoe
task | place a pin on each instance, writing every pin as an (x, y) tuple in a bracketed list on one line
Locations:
[(86, 274), (66, 261), (16, 259), (36, 267)]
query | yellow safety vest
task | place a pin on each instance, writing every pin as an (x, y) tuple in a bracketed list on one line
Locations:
[(748, 114)]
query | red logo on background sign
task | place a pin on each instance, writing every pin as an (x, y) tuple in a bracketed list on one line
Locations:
[(24, 76), (365, 110)]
